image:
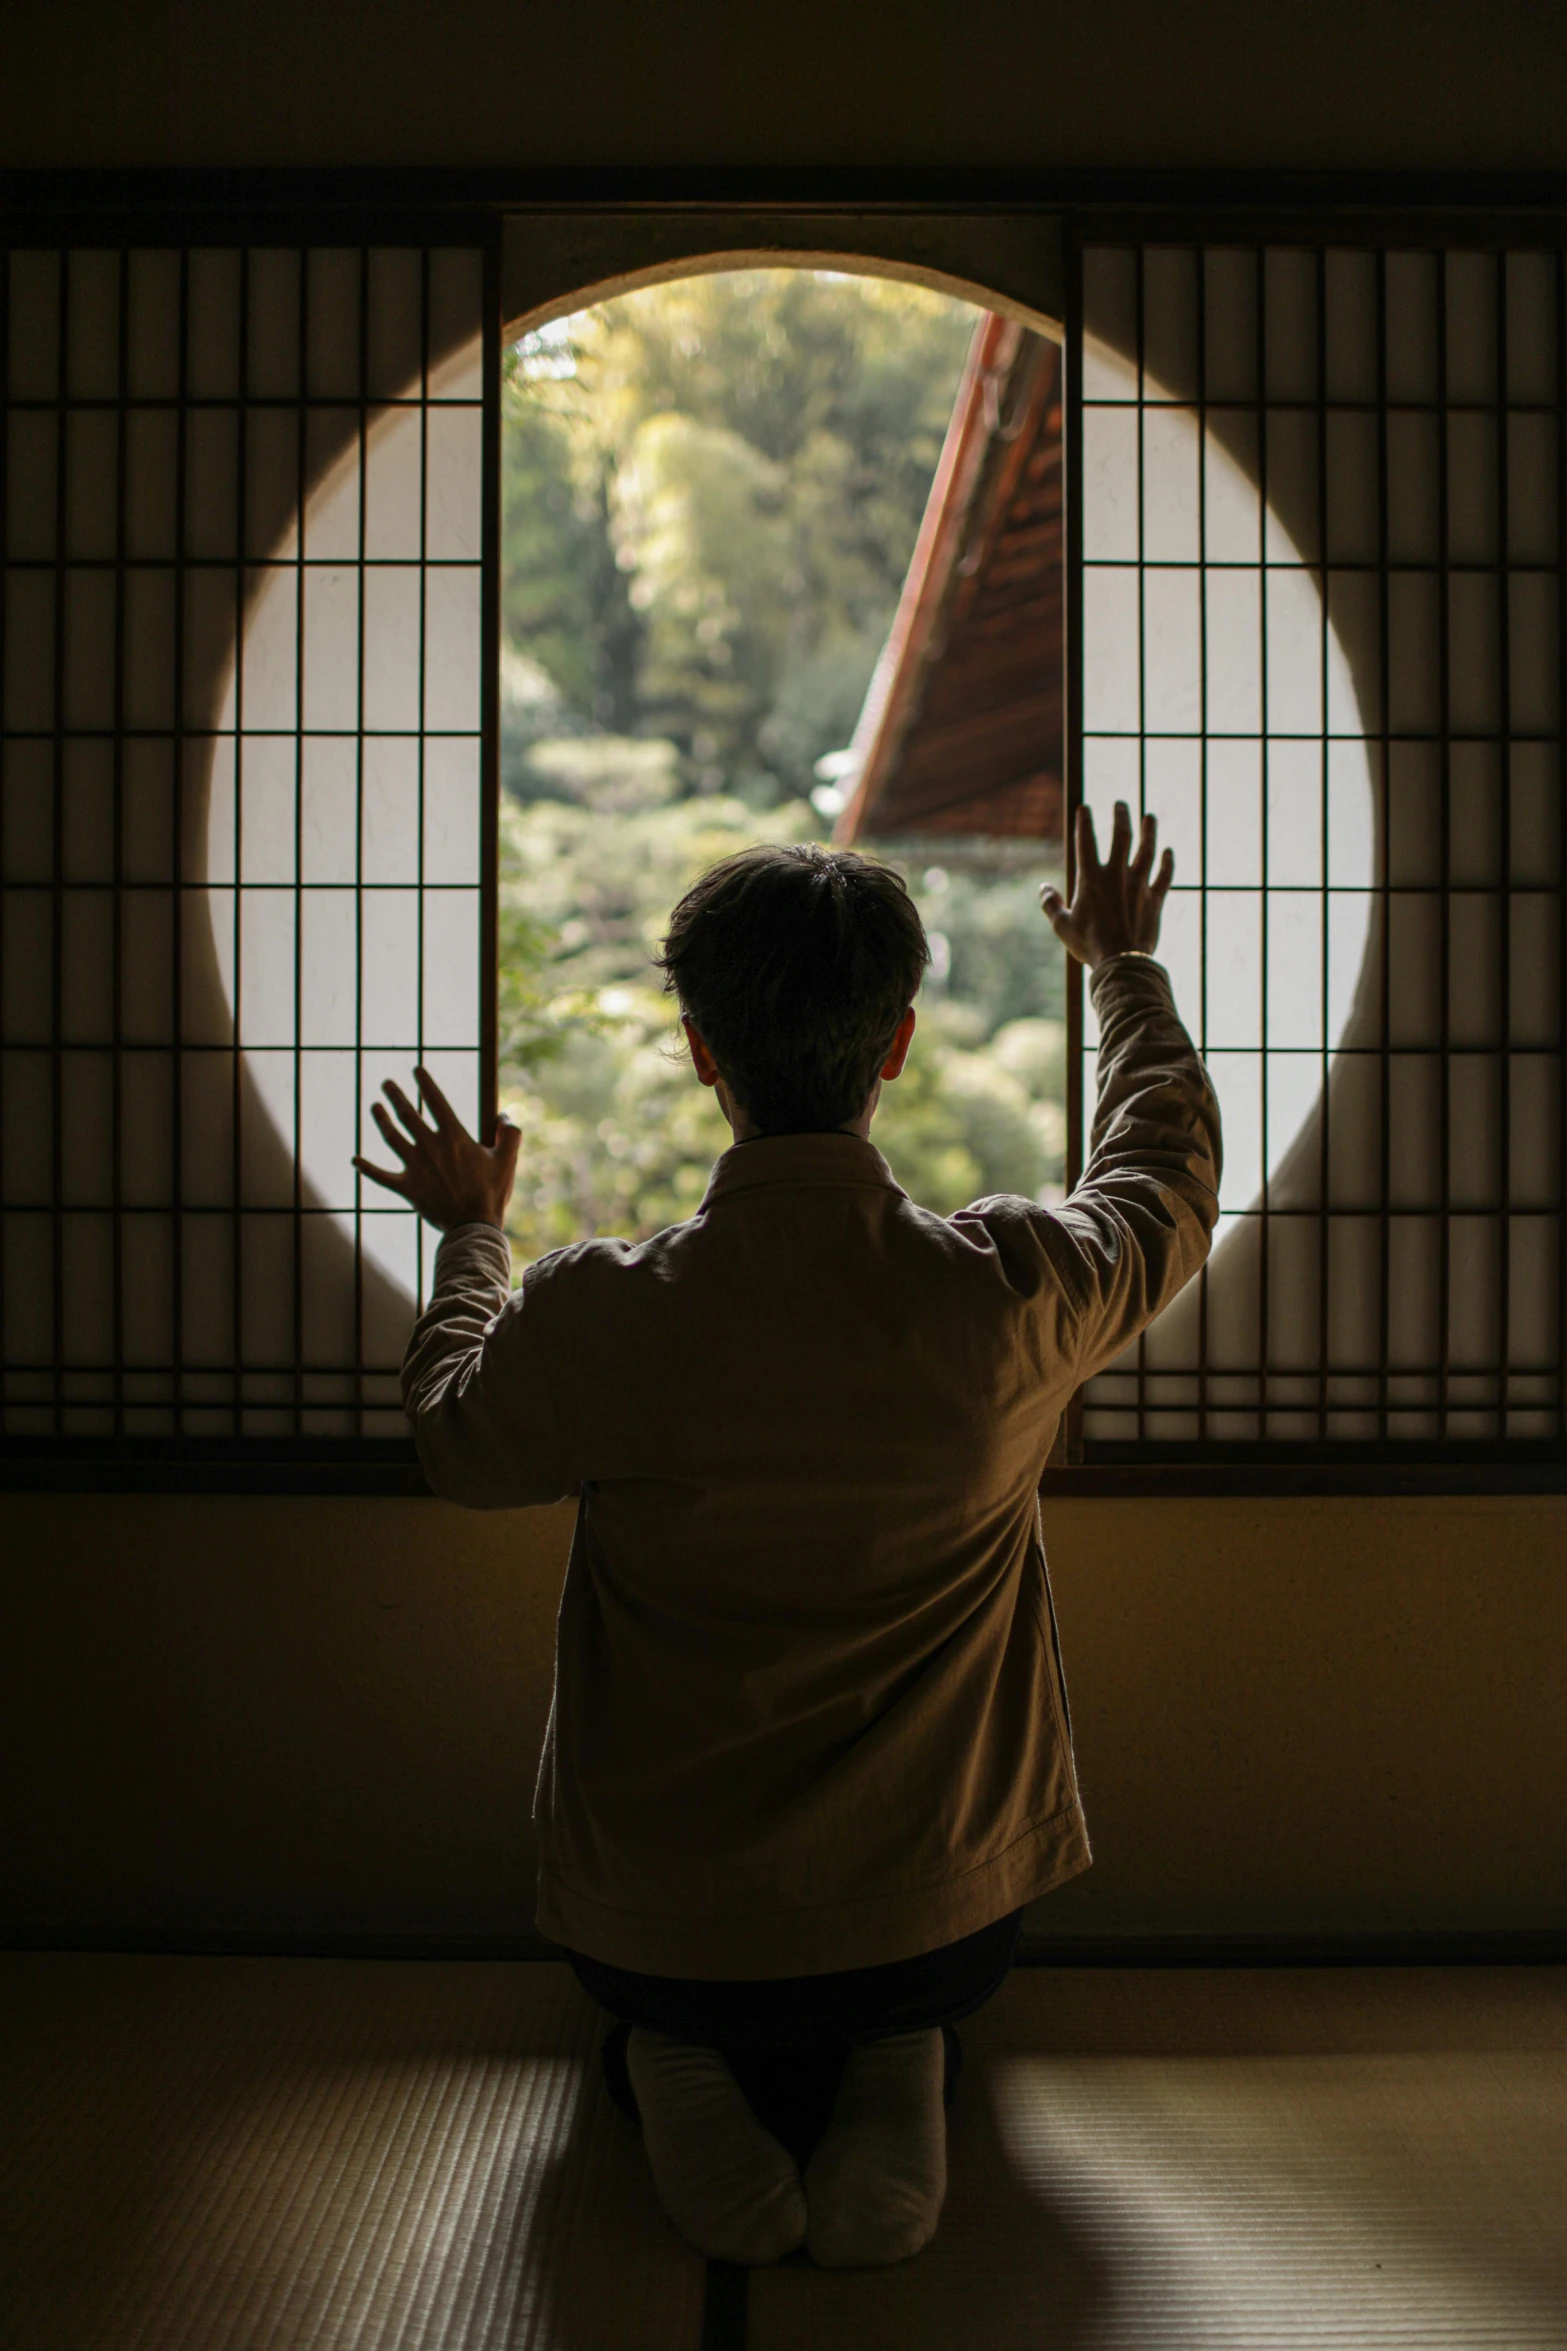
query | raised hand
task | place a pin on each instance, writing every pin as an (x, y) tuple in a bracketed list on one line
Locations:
[(1116, 904), (446, 1173)]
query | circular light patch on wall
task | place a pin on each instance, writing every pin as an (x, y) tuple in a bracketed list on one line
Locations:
[(1218, 693), (343, 835)]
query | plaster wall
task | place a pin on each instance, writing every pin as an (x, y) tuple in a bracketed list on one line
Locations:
[(319, 1719), (921, 84)]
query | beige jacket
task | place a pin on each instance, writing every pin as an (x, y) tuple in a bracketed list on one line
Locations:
[(808, 1703)]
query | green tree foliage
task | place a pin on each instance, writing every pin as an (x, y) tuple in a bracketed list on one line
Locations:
[(712, 493)]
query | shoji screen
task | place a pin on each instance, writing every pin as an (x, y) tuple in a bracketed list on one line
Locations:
[(248, 537), (1320, 498)]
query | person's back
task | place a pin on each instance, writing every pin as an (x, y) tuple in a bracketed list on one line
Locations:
[(809, 1741)]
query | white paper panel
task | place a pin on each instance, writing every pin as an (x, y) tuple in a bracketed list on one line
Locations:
[(394, 473), (390, 822), (392, 632), (451, 811), (151, 483)]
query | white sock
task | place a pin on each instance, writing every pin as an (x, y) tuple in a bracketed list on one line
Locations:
[(724, 2181), (874, 2186)]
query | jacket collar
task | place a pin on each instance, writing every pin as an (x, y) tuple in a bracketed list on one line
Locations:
[(799, 1159)]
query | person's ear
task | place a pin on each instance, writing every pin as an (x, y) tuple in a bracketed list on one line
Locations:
[(893, 1064), (701, 1060)]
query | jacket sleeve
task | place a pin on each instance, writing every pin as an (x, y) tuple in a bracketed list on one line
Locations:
[(486, 1391), (1140, 1223)]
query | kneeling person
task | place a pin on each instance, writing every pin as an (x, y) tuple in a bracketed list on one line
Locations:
[(809, 1751)]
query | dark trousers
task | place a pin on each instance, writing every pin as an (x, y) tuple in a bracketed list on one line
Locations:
[(787, 2037)]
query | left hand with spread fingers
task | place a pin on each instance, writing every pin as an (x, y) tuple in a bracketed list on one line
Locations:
[(446, 1173)]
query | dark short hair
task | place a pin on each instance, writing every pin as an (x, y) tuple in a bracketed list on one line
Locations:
[(797, 965)]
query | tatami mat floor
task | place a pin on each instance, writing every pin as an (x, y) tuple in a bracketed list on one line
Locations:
[(259, 2155)]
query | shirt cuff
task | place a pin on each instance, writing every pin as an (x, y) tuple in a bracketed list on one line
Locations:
[(1128, 955), (475, 1243)]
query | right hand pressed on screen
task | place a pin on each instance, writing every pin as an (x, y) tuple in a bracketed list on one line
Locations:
[(1116, 905)]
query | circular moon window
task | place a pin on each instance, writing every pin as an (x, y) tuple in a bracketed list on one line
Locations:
[(344, 818)]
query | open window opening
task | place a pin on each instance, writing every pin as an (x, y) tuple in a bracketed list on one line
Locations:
[(743, 511)]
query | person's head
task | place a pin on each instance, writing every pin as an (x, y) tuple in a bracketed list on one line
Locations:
[(796, 971)]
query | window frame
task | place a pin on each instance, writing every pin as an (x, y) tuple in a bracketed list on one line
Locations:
[(40, 221), (653, 223), (1299, 1466)]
